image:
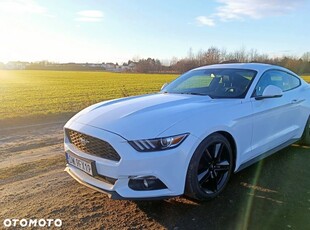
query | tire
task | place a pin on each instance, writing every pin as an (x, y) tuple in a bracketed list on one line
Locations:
[(305, 139), (210, 168)]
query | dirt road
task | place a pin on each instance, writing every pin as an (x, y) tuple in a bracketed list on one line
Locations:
[(274, 194)]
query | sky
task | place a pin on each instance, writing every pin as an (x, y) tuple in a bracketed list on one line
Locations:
[(119, 30)]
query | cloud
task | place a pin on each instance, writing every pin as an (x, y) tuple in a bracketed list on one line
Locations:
[(241, 9), (89, 16), (230, 10), (204, 21), (21, 7), (88, 19)]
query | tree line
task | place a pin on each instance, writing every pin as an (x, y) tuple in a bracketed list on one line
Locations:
[(214, 55)]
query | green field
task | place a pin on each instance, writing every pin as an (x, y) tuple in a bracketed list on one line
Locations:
[(26, 93), (306, 78)]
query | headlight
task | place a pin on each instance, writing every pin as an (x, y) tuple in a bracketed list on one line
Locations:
[(158, 144)]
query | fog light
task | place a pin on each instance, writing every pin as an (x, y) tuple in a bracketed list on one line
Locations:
[(139, 183)]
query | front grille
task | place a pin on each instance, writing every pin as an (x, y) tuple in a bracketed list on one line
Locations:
[(92, 145)]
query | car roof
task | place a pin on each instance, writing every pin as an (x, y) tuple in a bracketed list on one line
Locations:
[(259, 67)]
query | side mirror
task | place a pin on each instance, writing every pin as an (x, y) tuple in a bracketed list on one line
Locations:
[(270, 91), (164, 86)]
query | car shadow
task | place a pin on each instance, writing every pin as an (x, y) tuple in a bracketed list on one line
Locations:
[(273, 193)]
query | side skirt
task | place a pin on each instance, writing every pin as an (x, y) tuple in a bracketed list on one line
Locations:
[(266, 154)]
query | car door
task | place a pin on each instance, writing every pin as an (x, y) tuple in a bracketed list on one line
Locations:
[(275, 120)]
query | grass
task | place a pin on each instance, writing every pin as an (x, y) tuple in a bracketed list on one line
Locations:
[(29, 93), (306, 78)]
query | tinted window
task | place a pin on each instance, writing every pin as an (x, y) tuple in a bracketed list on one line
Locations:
[(216, 83), (281, 79)]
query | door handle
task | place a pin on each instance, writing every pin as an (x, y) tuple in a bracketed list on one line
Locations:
[(295, 101)]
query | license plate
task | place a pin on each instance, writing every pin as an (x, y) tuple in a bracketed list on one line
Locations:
[(80, 163)]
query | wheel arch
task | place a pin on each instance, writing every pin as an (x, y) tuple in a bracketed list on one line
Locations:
[(305, 138), (230, 139), (232, 143)]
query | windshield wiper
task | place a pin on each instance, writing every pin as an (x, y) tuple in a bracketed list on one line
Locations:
[(201, 94)]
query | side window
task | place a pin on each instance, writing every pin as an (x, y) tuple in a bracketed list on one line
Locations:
[(291, 82), (263, 82), (277, 78)]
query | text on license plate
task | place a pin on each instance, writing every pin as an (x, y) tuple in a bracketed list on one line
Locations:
[(79, 163)]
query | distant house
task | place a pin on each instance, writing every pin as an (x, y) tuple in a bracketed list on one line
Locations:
[(132, 65), (128, 67), (18, 65), (109, 66), (95, 65)]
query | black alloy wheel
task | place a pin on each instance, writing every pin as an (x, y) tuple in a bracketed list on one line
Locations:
[(210, 168)]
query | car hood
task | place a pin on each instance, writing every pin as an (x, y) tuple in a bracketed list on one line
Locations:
[(141, 117)]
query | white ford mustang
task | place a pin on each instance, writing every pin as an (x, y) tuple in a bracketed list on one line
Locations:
[(189, 137)]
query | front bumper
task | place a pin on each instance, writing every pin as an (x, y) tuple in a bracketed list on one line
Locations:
[(168, 166), (111, 194)]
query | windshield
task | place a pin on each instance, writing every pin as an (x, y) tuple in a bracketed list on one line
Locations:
[(216, 83)]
